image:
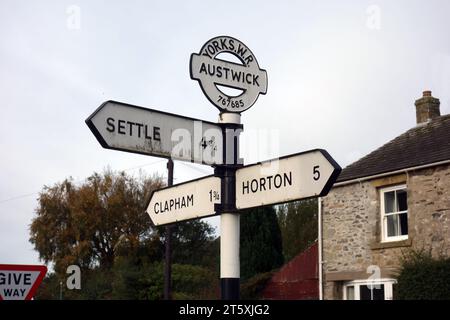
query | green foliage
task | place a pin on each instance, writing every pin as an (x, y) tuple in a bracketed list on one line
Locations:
[(253, 287), (261, 244), (193, 243), (422, 277), (147, 282), (95, 284), (298, 224)]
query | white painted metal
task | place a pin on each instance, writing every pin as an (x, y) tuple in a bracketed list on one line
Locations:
[(228, 117), (210, 71), (135, 129), (229, 245), (194, 199), (282, 180), (229, 227)]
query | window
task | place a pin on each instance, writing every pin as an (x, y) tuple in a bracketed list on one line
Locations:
[(394, 213), (369, 290)]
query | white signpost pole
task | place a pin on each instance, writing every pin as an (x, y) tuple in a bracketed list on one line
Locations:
[(229, 221)]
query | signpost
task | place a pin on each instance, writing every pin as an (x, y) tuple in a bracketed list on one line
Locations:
[(211, 71), (125, 127), (294, 177), (20, 282), (185, 201)]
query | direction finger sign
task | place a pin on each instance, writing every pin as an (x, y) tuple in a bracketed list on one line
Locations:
[(185, 201), (20, 282), (125, 127), (294, 177)]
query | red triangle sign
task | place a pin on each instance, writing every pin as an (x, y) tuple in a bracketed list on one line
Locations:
[(20, 282)]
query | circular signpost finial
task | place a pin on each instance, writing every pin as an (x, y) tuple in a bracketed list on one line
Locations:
[(212, 72)]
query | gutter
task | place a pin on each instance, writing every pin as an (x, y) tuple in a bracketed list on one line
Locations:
[(390, 173)]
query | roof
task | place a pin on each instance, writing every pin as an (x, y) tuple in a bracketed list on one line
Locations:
[(424, 144)]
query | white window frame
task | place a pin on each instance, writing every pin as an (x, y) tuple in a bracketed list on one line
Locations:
[(356, 284), (384, 236)]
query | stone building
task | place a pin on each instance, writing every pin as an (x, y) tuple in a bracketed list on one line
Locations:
[(394, 199)]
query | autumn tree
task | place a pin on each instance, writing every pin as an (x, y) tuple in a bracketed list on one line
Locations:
[(83, 224)]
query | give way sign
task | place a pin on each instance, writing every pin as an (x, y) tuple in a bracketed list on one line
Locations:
[(20, 282)]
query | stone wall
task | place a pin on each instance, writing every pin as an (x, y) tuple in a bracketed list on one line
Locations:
[(351, 226)]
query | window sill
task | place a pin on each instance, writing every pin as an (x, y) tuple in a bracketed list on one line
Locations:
[(392, 244)]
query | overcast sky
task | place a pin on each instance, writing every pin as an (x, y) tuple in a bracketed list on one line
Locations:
[(343, 76)]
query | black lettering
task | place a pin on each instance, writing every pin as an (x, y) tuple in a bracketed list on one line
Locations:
[(121, 128), (190, 199), (236, 76), (146, 133), (8, 292), (183, 202), (246, 78), (245, 187), (166, 206), (210, 49), (254, 185), (226, 72), (172, 202), (156, 134), (249, 59), (27, 279), (202, 68), (280, 181), (241, 51), (219, 71), (255, 80), (270, 182), (110, 127), (177, 203), (262, 184), (223, 44), (211, 71), (156, 208), (216, 45), (17, 278), (130, 125), (139, 125), (288, 178), (231, 44)]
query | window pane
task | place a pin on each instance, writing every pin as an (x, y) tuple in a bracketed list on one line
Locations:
[(370, 292), (389, 200), (393, 226), (364, 293), (403, 223), (350, 293), (402, 204), (378, 294)]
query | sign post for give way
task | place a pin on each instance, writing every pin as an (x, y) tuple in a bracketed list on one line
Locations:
[(20, 282)]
